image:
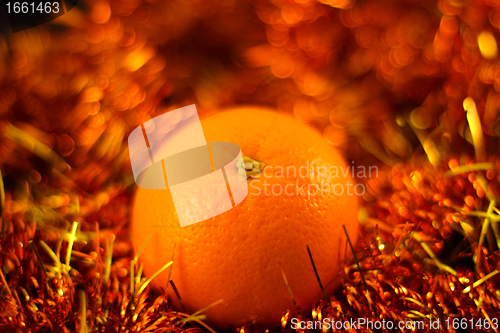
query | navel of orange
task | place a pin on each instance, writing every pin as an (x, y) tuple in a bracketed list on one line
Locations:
[(235, 256)]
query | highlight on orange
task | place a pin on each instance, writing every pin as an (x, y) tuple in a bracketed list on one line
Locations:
[(170, 150)]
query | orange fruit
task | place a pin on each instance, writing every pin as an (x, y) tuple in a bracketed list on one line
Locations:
[(235, 256)]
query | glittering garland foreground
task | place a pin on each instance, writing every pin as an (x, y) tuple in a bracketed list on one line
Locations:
[(412, 84)]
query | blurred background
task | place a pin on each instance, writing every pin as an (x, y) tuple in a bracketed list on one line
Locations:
[(376, 77)]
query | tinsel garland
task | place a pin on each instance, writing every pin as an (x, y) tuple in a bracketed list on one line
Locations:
[(412, 87)]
